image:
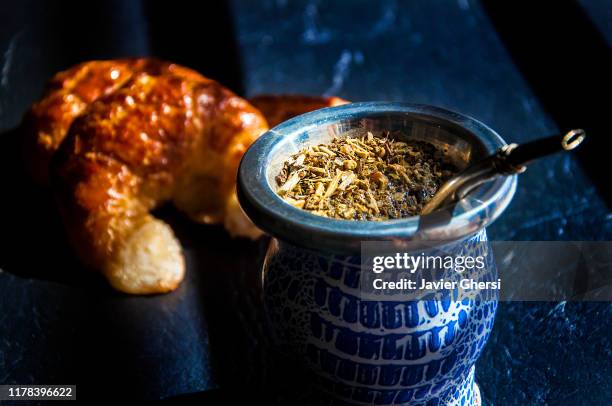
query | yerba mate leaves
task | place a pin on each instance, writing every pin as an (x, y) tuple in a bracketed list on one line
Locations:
[(367, 178)]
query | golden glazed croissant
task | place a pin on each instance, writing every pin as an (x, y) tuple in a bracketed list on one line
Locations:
[(116, 139)]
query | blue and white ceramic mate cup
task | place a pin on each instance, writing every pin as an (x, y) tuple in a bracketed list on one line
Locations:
[(363, 350)]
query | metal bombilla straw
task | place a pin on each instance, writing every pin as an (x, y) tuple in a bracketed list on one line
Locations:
[(509, 159)]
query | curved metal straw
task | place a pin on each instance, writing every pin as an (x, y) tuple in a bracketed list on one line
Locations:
[(509, 159)]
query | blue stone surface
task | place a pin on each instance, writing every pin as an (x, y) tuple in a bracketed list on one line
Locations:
[(59, 326)]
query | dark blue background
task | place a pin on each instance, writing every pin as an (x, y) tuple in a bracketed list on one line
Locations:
[(61, 325)]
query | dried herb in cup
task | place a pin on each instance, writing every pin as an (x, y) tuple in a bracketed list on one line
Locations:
[(367, 178)]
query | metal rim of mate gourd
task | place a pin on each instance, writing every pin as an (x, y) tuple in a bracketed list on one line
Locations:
[(463, 137)]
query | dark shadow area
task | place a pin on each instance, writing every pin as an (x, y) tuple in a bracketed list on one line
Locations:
[(35, 244), (96, 29), (567, 62), (199, 35)]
